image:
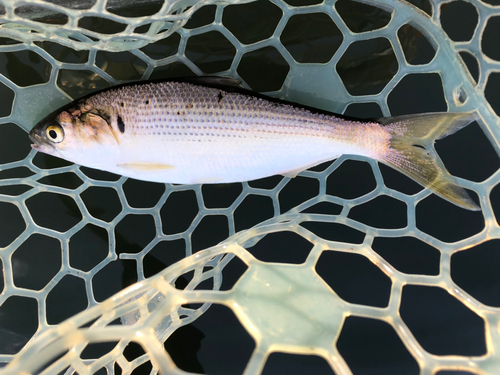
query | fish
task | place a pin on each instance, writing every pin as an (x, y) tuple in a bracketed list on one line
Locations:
[(207, 130)]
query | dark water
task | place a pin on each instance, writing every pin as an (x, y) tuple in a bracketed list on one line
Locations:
[(216, 343)]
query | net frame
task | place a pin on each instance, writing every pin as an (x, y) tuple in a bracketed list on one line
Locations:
[(455, 88)]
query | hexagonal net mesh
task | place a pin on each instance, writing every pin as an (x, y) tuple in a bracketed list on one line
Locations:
[(107, 275)]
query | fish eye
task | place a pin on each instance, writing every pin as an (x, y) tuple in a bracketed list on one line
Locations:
[(55, 133)]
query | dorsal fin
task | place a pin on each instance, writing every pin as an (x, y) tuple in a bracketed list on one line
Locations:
[(225, 83)]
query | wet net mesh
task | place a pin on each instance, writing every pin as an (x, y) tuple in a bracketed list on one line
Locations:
[(347, 268)]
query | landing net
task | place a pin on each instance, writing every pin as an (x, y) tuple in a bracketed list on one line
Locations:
[(347, 268)]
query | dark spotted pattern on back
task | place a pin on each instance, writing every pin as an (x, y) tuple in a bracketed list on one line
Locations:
[(180, 111)]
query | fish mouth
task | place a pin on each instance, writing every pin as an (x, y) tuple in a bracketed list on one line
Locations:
[(35, 144), (36, 139), (39, 143)]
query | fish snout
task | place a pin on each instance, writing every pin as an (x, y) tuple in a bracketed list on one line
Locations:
[(35, 137), (39, 132), (38, 136)]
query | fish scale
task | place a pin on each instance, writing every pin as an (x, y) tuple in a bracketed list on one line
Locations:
[(191, 132), (186, 110), (264, 136)]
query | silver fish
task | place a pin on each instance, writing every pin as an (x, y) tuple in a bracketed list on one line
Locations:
[(205, 131)]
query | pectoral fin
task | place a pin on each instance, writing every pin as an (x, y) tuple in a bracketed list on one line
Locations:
[(145, 167)]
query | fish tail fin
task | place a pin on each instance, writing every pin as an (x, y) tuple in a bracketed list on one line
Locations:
[(411, 152)]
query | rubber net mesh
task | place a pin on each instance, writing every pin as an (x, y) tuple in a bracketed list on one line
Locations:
[(349, 265)]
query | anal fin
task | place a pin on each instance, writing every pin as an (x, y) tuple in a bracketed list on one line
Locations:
[(207, 180), (292, 174)]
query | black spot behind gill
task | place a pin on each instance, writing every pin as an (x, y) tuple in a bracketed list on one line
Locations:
[(121, 124), (219, 97)]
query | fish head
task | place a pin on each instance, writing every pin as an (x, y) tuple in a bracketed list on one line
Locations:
[(79, 134)]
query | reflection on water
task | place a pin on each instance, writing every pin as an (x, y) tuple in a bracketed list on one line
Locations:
[(367, 66), (77, 83), (24, 68)]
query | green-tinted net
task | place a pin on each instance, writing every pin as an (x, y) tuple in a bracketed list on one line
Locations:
[(347, 268)]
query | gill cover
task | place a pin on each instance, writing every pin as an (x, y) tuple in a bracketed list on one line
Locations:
[(78, 133)]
